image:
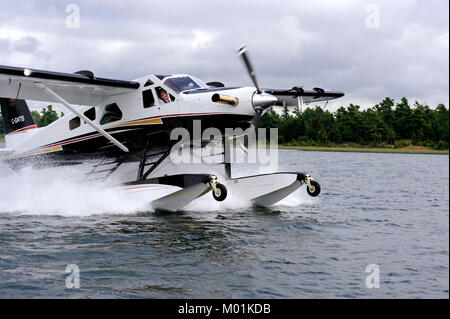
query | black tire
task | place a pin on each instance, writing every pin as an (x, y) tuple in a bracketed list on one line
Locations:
[(316, 189), (223, 193)]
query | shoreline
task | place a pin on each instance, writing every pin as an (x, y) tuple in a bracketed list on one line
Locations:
[(403, 150)]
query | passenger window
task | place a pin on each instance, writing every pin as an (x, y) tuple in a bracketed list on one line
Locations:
[(164, 96), (74, 123), (147, 98), (112, 113), (90, 114)]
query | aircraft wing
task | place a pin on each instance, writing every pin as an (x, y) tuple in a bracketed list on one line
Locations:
[(290, 96), (77, 88)]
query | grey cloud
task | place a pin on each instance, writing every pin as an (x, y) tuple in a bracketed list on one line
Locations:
[(26, 44)]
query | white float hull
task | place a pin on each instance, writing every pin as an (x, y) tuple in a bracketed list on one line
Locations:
[(267, 189), (261, 190)]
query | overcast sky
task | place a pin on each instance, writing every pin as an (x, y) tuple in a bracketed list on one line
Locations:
[(367, 49)]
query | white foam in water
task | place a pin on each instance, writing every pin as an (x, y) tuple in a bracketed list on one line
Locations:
[(61, 191)]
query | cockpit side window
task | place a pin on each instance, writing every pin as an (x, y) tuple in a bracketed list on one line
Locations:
[(112, 113), (164, 96), (147, 98)]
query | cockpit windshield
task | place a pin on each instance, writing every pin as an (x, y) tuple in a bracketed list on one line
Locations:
[(180, 84)]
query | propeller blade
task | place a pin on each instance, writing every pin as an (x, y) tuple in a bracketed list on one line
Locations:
[(256, 118), (242, 51), (260, 100)]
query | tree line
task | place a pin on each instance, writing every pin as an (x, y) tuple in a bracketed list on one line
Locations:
[(384, 124)]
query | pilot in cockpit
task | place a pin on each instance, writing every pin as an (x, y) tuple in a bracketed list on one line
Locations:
[(163, 96)]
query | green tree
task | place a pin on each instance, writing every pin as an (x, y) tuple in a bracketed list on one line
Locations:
[(344, 125), (384, 109), (47, 116), (421, 123), (402, 124), (372, 126), (36, 117), (441, 118)]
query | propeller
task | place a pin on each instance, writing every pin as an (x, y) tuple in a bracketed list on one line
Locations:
[(260, 100)]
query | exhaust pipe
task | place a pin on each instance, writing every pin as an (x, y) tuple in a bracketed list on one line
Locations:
[(225, 99)]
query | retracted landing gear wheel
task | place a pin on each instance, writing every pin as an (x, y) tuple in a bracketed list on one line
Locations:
[(313, 188), (220, 193)]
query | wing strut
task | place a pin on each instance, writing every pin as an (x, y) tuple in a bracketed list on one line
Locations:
[(81, 115)]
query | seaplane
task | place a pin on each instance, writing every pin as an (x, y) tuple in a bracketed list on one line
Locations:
[(121, 130)]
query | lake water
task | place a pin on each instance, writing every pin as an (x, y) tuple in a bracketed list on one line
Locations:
[(391, 210)]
